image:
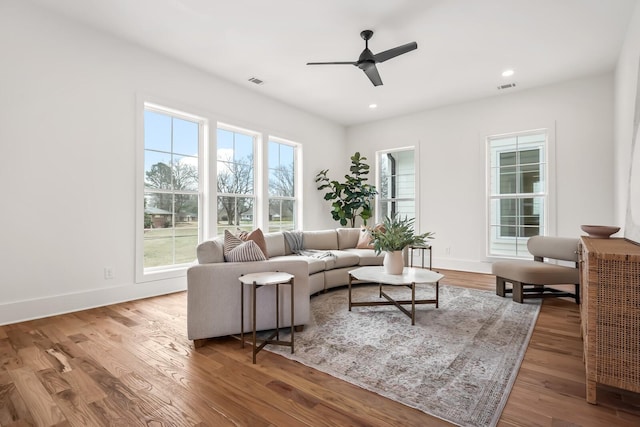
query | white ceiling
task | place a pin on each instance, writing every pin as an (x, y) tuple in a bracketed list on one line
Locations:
[(463, 45)]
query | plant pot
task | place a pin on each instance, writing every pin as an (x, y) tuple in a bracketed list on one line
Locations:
[(393, 262)]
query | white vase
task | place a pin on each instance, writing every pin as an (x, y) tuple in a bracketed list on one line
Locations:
[(393, 262)]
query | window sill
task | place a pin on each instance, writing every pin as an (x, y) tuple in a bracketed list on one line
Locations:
[(152, 275)]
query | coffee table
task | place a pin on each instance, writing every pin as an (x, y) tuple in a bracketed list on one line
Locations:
[(409, 277)]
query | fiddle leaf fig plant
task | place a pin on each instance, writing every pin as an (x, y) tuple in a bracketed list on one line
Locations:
[(353, 197), (396, 233)]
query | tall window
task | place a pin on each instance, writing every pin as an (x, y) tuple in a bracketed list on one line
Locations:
[(282, 188), (517, 191), (235, 180), (172, 144), (396, 183)]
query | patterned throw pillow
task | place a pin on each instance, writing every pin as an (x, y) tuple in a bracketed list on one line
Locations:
[(364, 240), (236, 250), (230, 241), (258, 237)]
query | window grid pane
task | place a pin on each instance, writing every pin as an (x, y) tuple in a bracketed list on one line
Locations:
[(396, 184), (171, 198), (235, 181), (281, 186), (517, 192)]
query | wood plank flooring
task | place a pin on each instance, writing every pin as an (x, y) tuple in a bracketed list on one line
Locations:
[(130, 364)]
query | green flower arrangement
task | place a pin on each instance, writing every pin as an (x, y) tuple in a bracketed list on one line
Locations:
[(397, 233)]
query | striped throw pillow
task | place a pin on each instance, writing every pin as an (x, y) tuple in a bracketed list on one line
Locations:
[(245, 252), (230, 241), (236, 250)]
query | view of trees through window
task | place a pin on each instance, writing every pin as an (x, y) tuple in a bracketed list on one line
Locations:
[(173, 189), (171, 181), (282, 202), (235, 181)]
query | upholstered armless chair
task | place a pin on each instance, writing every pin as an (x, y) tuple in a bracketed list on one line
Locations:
[(535, 279)]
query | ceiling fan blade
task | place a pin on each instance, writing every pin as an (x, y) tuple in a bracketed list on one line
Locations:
[(331, 63), (392, 53), (372, 72)]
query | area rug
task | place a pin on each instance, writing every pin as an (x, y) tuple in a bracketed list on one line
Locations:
[(457, 363)]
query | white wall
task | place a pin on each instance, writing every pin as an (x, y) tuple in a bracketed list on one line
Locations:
[(626, 79), (451, 147), (68, 143)]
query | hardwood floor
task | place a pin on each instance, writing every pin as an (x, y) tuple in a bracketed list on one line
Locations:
[(130, 364)]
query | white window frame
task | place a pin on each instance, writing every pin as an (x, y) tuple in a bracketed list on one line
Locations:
[(547, 192), (258, 180), (144, 103), (297, 178), (415, 199)]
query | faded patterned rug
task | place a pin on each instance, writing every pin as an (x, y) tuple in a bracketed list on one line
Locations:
[(457, 363)]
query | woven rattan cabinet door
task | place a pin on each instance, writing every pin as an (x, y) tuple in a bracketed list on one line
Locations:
[(611, 314)]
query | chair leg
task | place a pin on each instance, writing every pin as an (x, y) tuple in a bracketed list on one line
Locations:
[(518, 292), (500, 286)]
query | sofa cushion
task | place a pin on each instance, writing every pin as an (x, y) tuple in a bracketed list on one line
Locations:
[(210, 251), (322, 240), (275, 244), (340, 259), (258, 237), (535, 273), (316, 265), (347, 237), (367, 256)]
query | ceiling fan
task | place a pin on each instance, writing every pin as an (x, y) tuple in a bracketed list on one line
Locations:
[(367, 60)]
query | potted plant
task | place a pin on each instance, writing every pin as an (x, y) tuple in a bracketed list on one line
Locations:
[(352, 198), (392, 237)]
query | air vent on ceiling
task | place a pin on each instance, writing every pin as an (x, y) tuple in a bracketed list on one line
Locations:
[(506, 86), (256, 80)]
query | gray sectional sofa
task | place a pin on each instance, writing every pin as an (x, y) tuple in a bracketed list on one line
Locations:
[(213, 289)]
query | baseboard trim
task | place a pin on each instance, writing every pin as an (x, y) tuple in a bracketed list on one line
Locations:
[(462, 265), (38, 308)]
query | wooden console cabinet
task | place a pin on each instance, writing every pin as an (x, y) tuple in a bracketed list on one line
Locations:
[(610, 313)]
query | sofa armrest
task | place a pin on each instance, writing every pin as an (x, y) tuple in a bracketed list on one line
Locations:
[(213, 297)]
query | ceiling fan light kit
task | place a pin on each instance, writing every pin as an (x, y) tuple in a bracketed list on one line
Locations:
[(368, 60)]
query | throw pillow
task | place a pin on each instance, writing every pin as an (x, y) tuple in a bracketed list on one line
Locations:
[(245, 252), (364, 240), (258, 237), (237, 250), (230, 242)]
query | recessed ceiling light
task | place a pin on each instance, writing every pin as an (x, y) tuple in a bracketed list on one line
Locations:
[(507, 73), (373, 106)]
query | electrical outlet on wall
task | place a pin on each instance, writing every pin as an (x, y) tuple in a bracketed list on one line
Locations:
[(108, 273)]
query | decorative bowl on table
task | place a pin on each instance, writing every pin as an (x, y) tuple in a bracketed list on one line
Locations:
[(599, 231)]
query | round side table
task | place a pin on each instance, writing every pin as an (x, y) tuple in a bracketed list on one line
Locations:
[(257, 280)]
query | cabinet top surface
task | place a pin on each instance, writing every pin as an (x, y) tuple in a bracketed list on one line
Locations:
[(614, 246)]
